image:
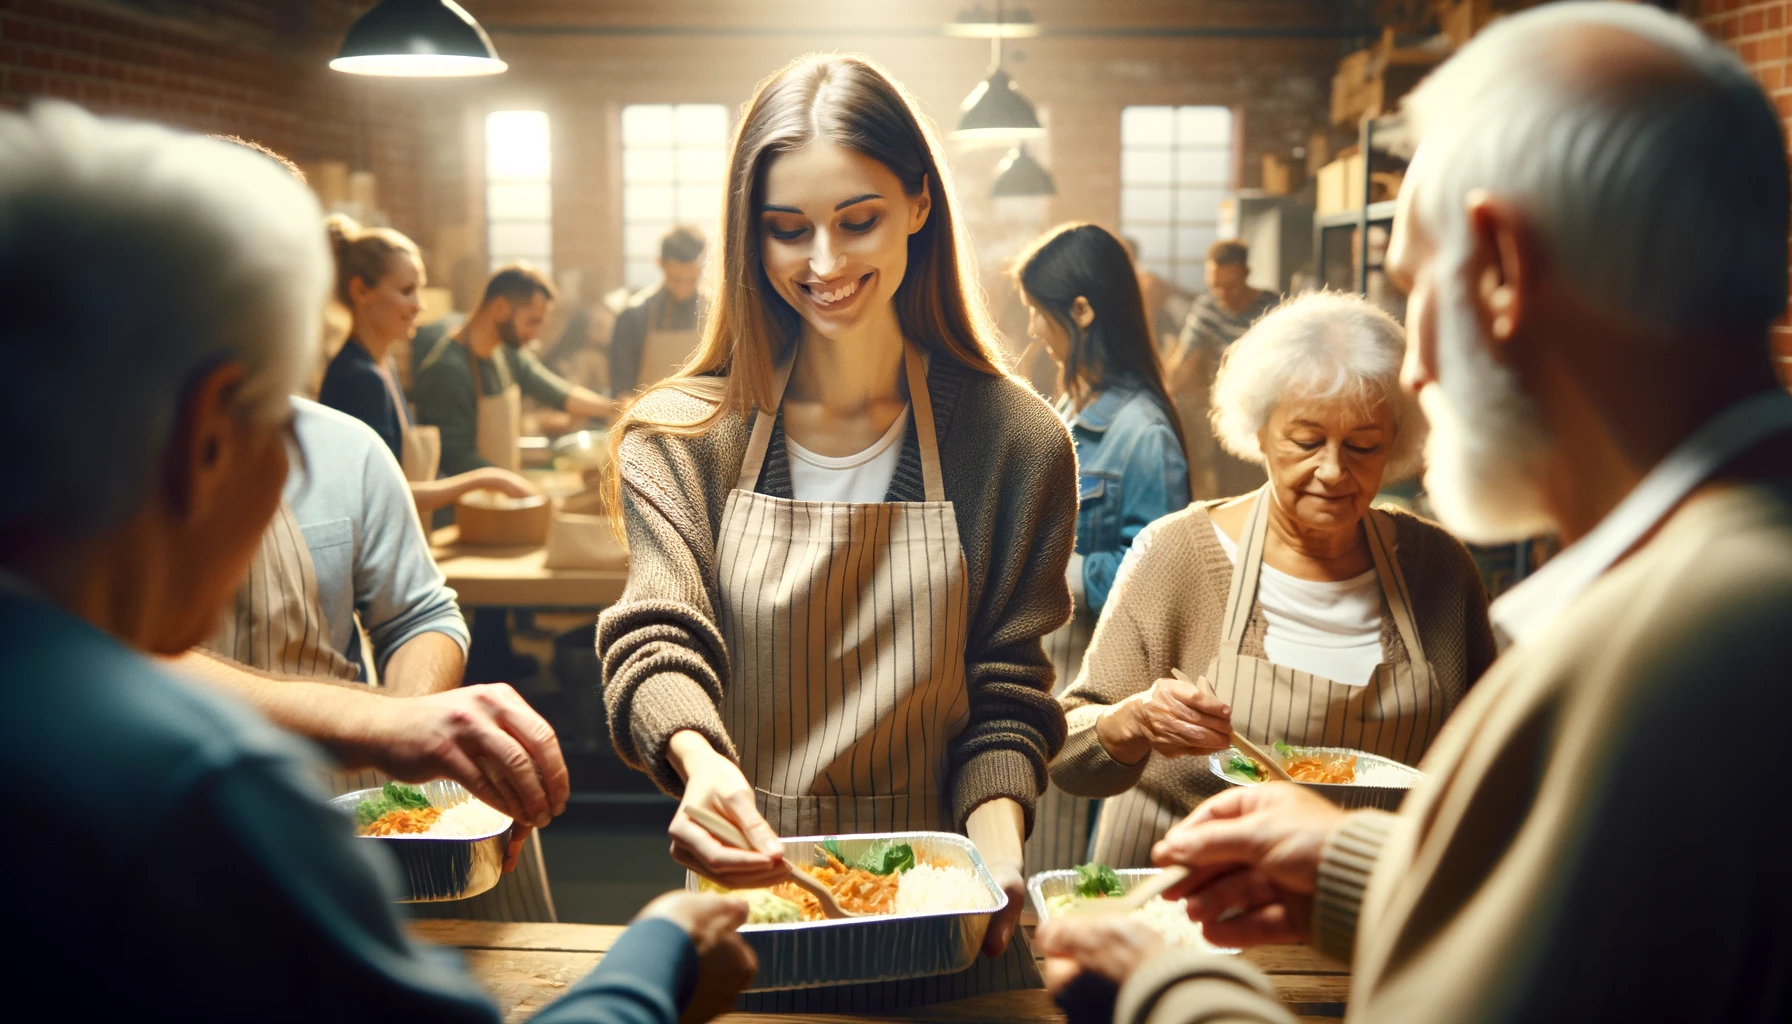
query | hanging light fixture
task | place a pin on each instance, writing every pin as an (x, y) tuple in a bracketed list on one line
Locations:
[(995, 110), (417, 39), (1019, 175)]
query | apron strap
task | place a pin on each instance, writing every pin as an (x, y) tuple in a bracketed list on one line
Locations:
[(1380, 529), (763, 419), (1243, 592)]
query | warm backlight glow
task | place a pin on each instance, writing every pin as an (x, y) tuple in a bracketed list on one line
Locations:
[(419, 65)]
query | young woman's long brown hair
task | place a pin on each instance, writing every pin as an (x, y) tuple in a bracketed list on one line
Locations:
[(851, 102)]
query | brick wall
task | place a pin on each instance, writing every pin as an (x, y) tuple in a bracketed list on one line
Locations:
[(1761, 32)]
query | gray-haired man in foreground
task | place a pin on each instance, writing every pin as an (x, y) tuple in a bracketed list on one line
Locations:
[(1593, 237), (175, 284)]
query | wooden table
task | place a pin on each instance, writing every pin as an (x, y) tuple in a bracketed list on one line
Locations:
[(527, 966), (514, 577)]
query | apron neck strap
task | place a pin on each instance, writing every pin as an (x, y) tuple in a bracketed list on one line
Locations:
[(1380, 529), (914, 366), (1245, 570)]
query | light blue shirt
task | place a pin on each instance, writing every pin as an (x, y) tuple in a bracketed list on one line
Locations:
[(367, 546)]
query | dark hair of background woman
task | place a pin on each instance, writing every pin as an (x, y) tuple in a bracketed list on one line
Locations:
[(1116, 349)]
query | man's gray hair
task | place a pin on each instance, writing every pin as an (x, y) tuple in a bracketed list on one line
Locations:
[(134, 259), (1657, 179), (1320, 346)]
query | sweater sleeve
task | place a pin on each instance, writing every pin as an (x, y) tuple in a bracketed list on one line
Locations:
[(664, 659), (1344, 869), (1181, 986), (1016, 727)]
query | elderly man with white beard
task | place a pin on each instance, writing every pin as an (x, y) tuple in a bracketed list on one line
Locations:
[(1593, 238)]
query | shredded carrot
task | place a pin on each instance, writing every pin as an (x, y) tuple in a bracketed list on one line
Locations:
[(1322, 768), (403, 822)]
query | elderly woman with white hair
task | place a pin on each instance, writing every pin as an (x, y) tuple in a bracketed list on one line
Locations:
[(1309, 617)]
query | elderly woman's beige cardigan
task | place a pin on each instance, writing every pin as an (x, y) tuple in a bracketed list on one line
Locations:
[(1165, 611)]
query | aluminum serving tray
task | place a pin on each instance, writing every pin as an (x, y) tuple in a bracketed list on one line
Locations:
[(811, 954), (1348, 795), (1047, 884), (433, 868)]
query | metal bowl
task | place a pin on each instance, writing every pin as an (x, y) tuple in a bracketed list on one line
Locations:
[(1345, 794), (812, 954), (1046, 884), (435, 868)]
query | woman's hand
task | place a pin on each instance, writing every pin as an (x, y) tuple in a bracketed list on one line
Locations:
[(717, 784), (998, 830), (494, 478), (1172, 719)]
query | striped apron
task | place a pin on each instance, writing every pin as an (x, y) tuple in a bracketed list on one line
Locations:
[(277, 625), (1062, 822), (1396, 714), (845, 625)]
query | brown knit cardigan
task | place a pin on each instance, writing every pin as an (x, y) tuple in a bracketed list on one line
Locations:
[(1010, 471), (1165, 612)]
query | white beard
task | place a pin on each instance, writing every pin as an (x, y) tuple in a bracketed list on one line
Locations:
[(1489, 449)]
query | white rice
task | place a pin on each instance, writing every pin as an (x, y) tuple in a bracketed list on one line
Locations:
[(925, 889), (1171, 921), (469, 819), (1378, 773)]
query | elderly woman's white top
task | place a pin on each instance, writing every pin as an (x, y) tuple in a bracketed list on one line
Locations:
[(1331, 629)]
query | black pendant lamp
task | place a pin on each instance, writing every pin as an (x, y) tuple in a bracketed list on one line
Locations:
[(418, 39), (1019, 175), (995, 111)]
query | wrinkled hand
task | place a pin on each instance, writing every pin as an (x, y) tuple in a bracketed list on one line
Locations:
[(1002, 925), (487, 738), (725, 963), (504, 481), (1253, 854), (1109, 945), (1171, 719), (717, 783)]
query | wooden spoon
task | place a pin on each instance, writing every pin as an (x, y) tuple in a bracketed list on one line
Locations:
[(1241, 741), (1133, 898), (729, 833)]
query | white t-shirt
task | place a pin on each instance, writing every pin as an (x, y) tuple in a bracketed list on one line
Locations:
[(1332, 630), (863, 478)]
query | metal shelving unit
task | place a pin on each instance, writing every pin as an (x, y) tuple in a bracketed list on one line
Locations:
[(1365, 214)]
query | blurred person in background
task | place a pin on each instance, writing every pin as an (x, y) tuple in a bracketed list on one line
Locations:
[(582, 352), (1593, 237), (179, 816), (1156, 293), (1371, 622), (379, 278), (1216, 319), (1085, 309), (658, 332)]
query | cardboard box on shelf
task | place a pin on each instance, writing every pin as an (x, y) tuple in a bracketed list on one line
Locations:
[(1370, 82), (1278, 177), (1341, 184)]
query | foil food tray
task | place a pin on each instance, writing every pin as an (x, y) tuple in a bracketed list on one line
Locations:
[(434, 868), (1349, 795), (813, 954), (1046, 884)]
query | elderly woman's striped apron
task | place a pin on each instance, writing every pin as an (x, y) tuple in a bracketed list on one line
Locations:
[(1062, 822), (845, 626), (277, 625), (1397, 714)]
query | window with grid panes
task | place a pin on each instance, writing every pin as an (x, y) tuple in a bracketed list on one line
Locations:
[(1175, 168), (674, 168), (518, 189)]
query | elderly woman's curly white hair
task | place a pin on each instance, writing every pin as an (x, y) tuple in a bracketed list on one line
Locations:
[(1321, 346)]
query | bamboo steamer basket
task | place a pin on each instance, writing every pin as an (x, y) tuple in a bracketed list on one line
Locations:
[(490, 518)]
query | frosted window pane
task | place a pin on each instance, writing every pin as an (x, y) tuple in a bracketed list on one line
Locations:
[(702, 124), (1198, 204), (1203, 167), (642, 240), (649, 166), (1154, 243), (699, 165), (519, 237), (1147, 125), (516, 144), (1145, 166), (647, 124), (646, 202), (1145, 204), (699, 205), (1191, 276), (521, 201), (1210, 126), (1192, 244)]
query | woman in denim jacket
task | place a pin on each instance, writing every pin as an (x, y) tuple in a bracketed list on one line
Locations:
[(1084, 306)]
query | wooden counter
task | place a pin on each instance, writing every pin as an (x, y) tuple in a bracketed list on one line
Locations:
[(516, 577), (527, 966)]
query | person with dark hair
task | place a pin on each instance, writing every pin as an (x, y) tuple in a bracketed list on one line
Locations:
[(1216, 320), (1085, 308), (657, 333), (480, 424), (848, 527)]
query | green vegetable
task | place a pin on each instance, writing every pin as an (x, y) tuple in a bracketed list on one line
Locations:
[(1097, 880), (1241, 765), (880, 858), (767, 907), (1285, 750), (396, 796)]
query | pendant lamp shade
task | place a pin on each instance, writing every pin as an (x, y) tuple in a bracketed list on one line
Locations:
[(995, 110), (417, 39), (1019, 175)]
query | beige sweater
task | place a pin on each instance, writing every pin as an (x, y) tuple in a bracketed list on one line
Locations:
[(1010, 471), (1166, 610), (1601, 834)]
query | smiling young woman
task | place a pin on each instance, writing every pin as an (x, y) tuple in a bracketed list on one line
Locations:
[(848, 526)]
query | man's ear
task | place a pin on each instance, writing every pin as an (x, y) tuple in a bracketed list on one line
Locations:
[(920, 205), (1503, 265), (200, 449)]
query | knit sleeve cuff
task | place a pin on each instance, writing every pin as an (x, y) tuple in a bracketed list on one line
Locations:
[(1189, 987), (662, 705), (1344, 869), (991, 775), (1085, 768)]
